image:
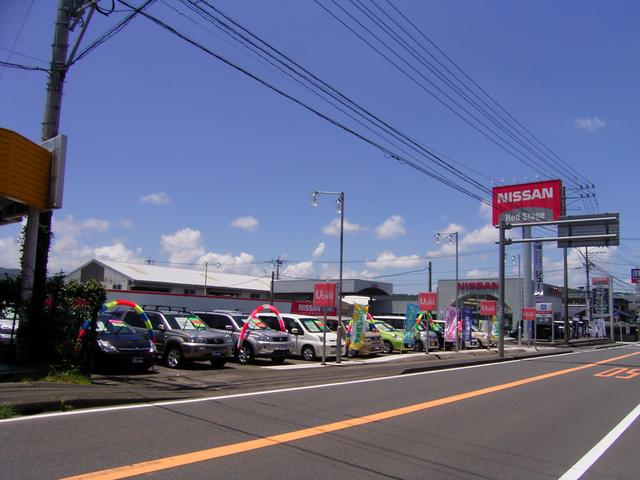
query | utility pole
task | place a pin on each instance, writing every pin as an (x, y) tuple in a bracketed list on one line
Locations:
[(587, 290), (565, 290), (38, 231), (430, 284)]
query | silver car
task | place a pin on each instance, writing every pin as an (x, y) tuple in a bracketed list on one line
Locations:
[(261, 341)]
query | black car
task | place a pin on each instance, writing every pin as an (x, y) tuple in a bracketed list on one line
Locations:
[(119, 345)]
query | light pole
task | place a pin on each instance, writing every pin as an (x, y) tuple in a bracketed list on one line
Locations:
[(450, 237), (513, 261), (340, 208)]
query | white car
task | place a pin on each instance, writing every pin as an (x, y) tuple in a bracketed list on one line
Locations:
[(8, 330), (306, 334)]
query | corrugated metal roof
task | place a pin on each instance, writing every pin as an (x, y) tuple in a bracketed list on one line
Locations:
[(182, 276)]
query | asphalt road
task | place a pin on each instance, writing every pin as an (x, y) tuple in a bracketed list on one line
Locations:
[(531, 419)]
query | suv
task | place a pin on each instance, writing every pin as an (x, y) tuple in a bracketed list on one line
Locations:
[(306, 334), (182, 336), (260, 342), (420, 338)]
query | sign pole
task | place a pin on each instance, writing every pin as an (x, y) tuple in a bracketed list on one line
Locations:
[(613, 338), (324, 337), (501, 292)]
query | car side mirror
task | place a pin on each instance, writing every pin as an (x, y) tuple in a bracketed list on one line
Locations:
[(228, 328), (161, 327), (295, 331)]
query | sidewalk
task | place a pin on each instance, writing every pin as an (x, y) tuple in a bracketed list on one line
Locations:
[(162, 384)]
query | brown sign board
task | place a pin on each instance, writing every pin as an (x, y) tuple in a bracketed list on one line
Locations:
[(593, 225)]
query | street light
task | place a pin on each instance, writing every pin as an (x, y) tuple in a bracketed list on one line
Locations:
[(340, 208), (515, 258), (450, 237)]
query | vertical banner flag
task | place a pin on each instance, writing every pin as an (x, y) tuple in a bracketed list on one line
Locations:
[(538, 286), (495, 329), (467, 317), (410, 324), (358, 326), (450, 324), (428, 301)]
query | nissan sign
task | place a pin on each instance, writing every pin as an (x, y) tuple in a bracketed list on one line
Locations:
[(527, 202)]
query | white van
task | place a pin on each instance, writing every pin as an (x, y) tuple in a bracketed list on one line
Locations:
[(306, 334)]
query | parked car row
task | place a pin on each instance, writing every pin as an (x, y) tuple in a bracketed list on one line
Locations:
[(179, 337)]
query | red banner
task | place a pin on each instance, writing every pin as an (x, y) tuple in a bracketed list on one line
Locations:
[(527, 202), (529, 314), (324, 294), (427, 301), (488, 307)]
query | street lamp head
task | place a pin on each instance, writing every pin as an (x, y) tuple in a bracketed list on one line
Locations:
[(437, 238), (314, 199), (450, 239), (339, 204)]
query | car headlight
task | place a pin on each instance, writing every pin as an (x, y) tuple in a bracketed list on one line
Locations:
[(106, 346), (152, 347), (198, 339), (262, 338)]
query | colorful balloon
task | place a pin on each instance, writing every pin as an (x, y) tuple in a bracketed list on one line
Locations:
[(252, 315)]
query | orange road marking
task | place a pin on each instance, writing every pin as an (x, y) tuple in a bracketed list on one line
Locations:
[(611, 372), (242, 447)]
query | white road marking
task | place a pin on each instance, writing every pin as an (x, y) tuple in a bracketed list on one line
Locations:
[(596, 452), (265, 392)]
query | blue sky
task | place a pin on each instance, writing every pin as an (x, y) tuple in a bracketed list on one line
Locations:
[(175, 156)]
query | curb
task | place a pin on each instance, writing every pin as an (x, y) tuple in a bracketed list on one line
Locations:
[(65, 405), (466, 363)]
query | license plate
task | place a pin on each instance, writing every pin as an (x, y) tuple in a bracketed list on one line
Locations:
[(137, 360), (216, 354), (282, 348)]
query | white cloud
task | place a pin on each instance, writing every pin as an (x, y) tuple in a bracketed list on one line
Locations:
[(9, 252), (157, 198), (476, 273), (225, 262), (388, 260), (118, 252), (298, 270), (590, 124), (68, 226), (319, 251), (331, 272), (333, 228), (391, 228), (485, 235), (250, 224), (125, 223), (184, 246), (486, 211)]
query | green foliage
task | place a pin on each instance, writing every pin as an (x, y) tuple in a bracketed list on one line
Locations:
[(6, 411), (48, 336)]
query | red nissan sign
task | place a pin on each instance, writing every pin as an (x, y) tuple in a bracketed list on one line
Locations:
[(427, 301), (324, 295), (527, 202), (529, 314), (305, 307), (488, 307)]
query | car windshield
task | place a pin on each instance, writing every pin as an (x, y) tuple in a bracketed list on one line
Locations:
[(385, 327), (254, 323), (312, 324), (113, 325), (186, 322)]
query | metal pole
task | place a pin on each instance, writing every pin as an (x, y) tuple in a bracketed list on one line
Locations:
[(324, 337), (430, 284), (520, 320), (457, 305), (50, 125), (527, 282), (613, 334), (339, 332), (587, 290), (501, 292), (206, 273), (271, 293), (565, 299)]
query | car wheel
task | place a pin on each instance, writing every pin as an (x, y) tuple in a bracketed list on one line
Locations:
[(387, 347), (218, 362), (308, 353), (419, 346), (173, 358), (245, 354), (278, 359)]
